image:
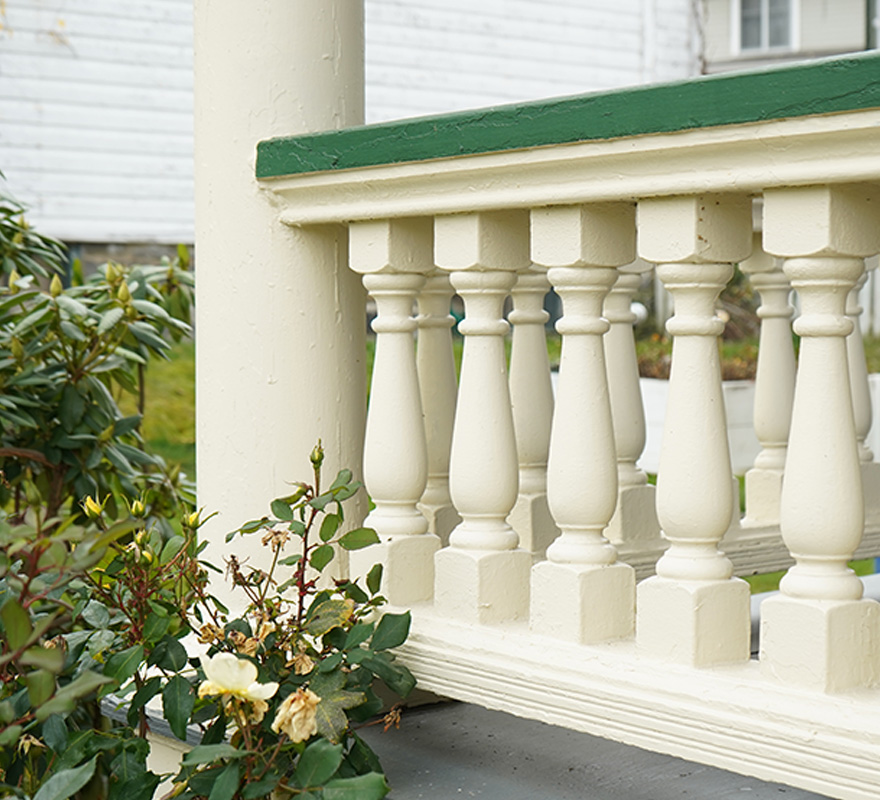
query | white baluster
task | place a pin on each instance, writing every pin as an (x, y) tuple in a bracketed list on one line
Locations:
[(774, 386), (482, 576), (581, 592), (861, 396), (531, 397), (438, 383), (818, 632), (635, 518), (693, 611), (391, 255)]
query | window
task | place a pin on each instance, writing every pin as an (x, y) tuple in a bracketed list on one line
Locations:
[(765, 24)]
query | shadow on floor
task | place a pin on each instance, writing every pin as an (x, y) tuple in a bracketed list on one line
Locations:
[(456, 750)]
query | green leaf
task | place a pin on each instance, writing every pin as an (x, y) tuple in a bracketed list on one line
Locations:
[(10, 735), (321, 557), (391, 631), (155, 627), (371, 786), (55, 733), (173, 656), (109, 319), (96, 614), (172, 547), (16, 622), (329, 614), (342, 478), (318, 763), (71, 408), (262, 788), (397, 677), (226, 784), (358, 538), (124, 664), (178, 699), (282, 510), (320, 502), (68, 782), (330, 712), (358, 635), (143, 696), (329, 527), (374, 578), (40, 686), (65, 699), (51, 659), (142, 787), (206, 753)]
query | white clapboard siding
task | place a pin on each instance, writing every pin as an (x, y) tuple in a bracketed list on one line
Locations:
[(96, 116), (96, 95)]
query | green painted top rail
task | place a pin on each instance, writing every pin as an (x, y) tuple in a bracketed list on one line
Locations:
[(819, 87)]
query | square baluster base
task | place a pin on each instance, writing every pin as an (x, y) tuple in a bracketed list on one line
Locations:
[(827, 645), (482, 586), (699, 623), (763, 490), (583, 604), (533, 524), (635, 518), (408, 567)]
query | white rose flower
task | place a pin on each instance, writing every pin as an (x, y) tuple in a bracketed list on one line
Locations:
[(229, 675)]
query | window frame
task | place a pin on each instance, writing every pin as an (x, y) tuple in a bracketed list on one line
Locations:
[(764, 48)]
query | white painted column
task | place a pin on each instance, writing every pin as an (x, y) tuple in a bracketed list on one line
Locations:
[(393, 256), (693, 611), (818, 632), (861, 396), (438, 385), (483, 576), (582, 593), (635, 518), (531, 396), (774, 386), (279, 314)]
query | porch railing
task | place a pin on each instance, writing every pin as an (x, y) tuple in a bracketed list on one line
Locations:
[(520, 528)]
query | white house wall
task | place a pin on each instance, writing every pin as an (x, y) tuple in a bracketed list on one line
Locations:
[(96, 116)]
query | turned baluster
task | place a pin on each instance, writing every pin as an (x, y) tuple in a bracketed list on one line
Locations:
[(693, 611), (483, 576), (581, 592), (392, 256), (438, 384), (531, 397), (774, 386), (635, 518), (818, 632)]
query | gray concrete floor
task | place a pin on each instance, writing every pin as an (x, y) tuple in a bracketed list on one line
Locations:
[(455, 750)]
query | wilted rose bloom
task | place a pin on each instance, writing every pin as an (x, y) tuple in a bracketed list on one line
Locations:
[(302, 664), (229, 675), (296, 715), (210, 633)]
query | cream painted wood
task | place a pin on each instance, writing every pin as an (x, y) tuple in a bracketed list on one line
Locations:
[(531, 397), (393, 255), (635, 518), (693, 611), (748, 157), (483, 576), (861, 396), (259, 347), (438, 385), (774, 386), (581, 592), (818, 632)]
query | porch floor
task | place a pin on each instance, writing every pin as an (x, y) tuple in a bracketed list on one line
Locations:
[(451, 750)]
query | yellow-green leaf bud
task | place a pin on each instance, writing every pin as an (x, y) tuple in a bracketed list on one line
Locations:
[(123, 293), (14, 277), (138, 509), (92, 508), (111, 273), (317, 456), (17, 349), (55, 286)]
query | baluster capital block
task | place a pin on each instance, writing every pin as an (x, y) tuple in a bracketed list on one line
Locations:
[(484, 240), (601, 235), (822, 221), (699, 229), (391, 245)]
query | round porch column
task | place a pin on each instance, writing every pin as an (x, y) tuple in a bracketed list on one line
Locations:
[(393, 256), (693, 611), (482, 577), (819, 632), (280, 317), (774, 386), (581, 592), (531, 397)]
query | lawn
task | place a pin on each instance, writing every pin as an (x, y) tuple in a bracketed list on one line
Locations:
[(169, 421)]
